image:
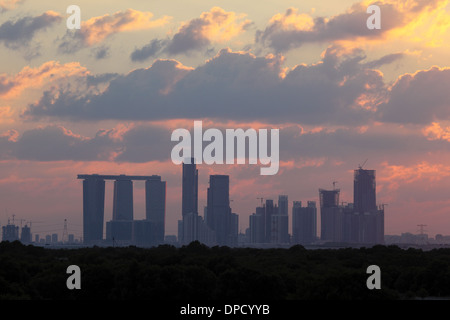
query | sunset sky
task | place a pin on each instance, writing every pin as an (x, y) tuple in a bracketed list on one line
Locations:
[(106, 98)]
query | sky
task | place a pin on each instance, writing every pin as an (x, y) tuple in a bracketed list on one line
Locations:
[(105, 99)]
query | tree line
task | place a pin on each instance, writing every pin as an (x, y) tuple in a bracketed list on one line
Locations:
[(197, 273)]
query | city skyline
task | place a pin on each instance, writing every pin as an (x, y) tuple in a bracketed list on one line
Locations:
[(106, 98)]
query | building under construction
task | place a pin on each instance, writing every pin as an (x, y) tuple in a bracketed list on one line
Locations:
[(360, 222)]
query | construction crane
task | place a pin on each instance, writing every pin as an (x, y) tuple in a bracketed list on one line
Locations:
[(362, 165), (334, 185), (261, 200), (21, 220)]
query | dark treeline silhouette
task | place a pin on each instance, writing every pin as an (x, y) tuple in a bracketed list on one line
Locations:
[(196, 272)]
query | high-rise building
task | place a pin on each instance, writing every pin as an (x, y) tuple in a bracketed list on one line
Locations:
[(283, 205), (123, 199), (155, 207), (304, 223), (190, 188), (268, 213), (54, 238), (218, 208), (10, 232), (279, 229), (257, 230), (189, 204), (93, 208), (369, 217), (25, 235), (234, 229), (331, 216), (364, 190)]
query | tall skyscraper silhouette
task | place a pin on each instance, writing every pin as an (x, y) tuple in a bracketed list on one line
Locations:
[(283, 205), (331, 226), (123, 199), (93, 208), (280, 222), (218, 208), (155, 207), (268, 213), (370, 217), (257, 225), (189, 188), (364, 190), (189, 205), (304, 222)]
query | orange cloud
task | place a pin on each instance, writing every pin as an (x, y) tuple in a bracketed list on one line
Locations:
[(411, 20), (436, 132), (216, 25), (8, 4), (221, 25), (13, 85), (6, 114), (395, 175), (97, 29)]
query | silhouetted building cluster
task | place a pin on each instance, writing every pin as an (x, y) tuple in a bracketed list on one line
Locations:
[(270, 222), (123, 228), (219, 226), (10, 232), (360, 222)]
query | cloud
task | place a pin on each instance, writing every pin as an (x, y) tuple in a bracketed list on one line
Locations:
[(299, 148), (419, 98), (231, 86), (101, 52), (436, 132), (217, 25), (51, 71), (387, 59), (138, 144), (150, 50), (97, 29), (293, 29), (6, 5), (19, 33)]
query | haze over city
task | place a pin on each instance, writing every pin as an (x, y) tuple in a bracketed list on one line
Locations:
[(105, 100)]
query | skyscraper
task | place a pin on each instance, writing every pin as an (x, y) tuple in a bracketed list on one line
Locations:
[(268, 213), (280, 222), (190, 188), (155, 207), (331, 216), (257, 225), (283, 205), (304, 222), (25, 235), (123, 200), (364, 190), (93, 208), (189, 205), (218, 208), (370, 218)]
